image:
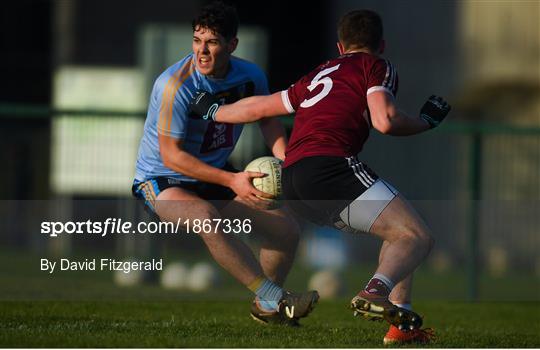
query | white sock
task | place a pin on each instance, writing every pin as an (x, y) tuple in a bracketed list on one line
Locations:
[(385, 280)]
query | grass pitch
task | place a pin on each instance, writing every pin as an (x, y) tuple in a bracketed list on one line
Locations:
[(85, 309), (227, 324)]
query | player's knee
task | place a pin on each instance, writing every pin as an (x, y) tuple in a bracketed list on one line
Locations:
[(420, 237), (425, 242), (427, 239)]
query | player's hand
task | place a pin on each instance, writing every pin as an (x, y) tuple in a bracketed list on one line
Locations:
[(434, 110), (242, 185), (204, 105)]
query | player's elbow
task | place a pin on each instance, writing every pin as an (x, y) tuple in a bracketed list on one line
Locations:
[(386, 121), (166, 159), (382, 111), (383, 125), (170, 150), (169, 156)]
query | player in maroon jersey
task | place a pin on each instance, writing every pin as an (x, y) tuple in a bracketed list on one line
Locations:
[(336, 105)]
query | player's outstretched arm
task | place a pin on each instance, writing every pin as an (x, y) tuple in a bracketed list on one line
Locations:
[(387, 119), (246, 110)]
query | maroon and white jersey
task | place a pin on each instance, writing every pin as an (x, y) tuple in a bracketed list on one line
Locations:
[(332, 116)]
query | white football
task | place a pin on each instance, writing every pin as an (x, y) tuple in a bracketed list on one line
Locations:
[(269, 184)]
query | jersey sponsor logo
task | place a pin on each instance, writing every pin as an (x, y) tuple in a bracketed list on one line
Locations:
[(221, 135), (218, 135)]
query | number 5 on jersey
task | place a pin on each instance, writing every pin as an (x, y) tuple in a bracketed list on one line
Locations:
[(318, 80)]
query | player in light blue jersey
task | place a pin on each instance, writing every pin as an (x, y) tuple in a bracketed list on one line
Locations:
[(182, 170), (212, 143)]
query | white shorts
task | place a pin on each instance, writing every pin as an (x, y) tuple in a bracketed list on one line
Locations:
[(361, 213)]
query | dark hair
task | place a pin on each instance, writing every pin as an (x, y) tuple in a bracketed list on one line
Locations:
[(361, 28), (219, 18)]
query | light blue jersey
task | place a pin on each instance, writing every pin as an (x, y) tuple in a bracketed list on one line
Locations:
[(208, 141)]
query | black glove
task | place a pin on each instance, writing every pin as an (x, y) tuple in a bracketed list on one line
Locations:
[(434, 111), (204, 105)]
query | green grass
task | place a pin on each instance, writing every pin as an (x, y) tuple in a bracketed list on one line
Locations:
[(85, 309), (227, 324)]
